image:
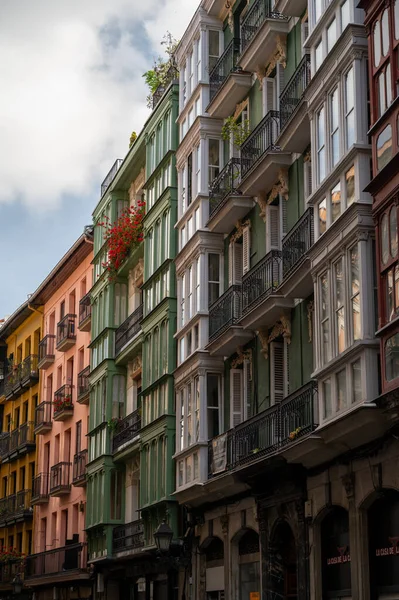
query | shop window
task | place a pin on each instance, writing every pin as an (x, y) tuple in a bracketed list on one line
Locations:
[(335, 553), (249, 565), (383, 522), (214, 560), (392, 357), (283, 563)]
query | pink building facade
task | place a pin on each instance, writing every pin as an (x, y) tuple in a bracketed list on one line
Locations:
[(61, 422)]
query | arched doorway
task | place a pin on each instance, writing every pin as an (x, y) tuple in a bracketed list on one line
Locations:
[(383, 524), (248, 574), (335, 554), (283, 563), (214, 561)]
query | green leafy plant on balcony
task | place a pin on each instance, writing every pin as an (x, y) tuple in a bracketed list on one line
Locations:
[(294, 434), (234, 131), (164, 69), (114, 424)]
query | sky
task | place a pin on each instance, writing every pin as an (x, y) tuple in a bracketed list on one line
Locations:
[(71, 94)]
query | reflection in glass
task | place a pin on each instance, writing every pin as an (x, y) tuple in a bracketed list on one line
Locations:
[(350, 186), (392, 357), (377, 44), (355, 291), (384, 239), (339, 306), (336, 202), (341, 390), (356, 381), (393, 231), (322, 216), (384, 147), (327, 398), (385, 32)]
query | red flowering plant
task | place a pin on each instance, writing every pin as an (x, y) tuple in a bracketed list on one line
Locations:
[(62, 403), (11, 555), (123, 235)]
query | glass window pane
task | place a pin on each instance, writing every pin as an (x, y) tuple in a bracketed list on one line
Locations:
[(336, 202), (377, 44), (350, 186), (322, 216), (335, 128), (354, 259), (327, 398), (318, 55), (324, 296), (396, 289), (345, 14), (331, 35), (213, 48), (356, 381), (392, 357), (385, 32), (393, 231), (397, 19), (384, 147), (388, 84), (381, 94), (341, 390), (317, 7), (384, 240), (390, 301)]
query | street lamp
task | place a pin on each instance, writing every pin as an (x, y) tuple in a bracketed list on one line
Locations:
[(163, 537), (17, 584)]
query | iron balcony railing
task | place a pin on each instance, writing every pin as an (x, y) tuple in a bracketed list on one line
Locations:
[(260, 141), (226, 64), (29, 369), (293, 92), (127, 430), (171, 75), (79, 466), (14, 440), (43, 415), (9, 383), (71, 557), (60, 477), (261, 281), (254, 19), (63, 400), (225, 311), (66, 329), (265, 433), (225, 184), (297, 242), (8, 571), (111, 174), (23, 502), (16, 506), (40, 492), (84, 308), (26, 434), (47, 348), (128, 537), (83, 382), (129, 329), (4, 445)]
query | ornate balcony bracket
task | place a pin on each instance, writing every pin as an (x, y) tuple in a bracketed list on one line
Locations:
[(279, 188), (241, 356), (282, 327), (279, 56), (240, 226)]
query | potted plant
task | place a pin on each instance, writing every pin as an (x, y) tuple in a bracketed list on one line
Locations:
[(114, 423), (294, 434)]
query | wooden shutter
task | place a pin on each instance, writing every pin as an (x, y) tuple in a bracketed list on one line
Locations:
[(283, 214), (272, 228), (235, 263), (236, 397), (246, 249), (277, 372), (280, 76), (247, 389), (286, 368), (269, 102), (308, 178)]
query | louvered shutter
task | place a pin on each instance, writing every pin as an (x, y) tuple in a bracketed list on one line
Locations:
[(246, 249), (304, 31), (277, 374), (236, 397), (308, 178), (235, 263), (272, 228), (283, 214), (269, 95), (280, 77), (231, 263), (247, 388), (286, 368)]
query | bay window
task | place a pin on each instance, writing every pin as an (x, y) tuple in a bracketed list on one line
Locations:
[(321, 147), (213, 409), (349, 108), (325, 318), (339, 306), (389, 261), (392, 357), (318, 55), (213, 48), (336, 201), (331, 35), (214, 159), (345, 14), (213, 278), (384, 147), (342, 389), (334, 127)]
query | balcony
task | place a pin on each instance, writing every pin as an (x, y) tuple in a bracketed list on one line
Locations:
[(83, 386), (60, 483), (291, 8), (9, 384), (85, 313), (63, 405), (225, 332), (14, 441), (129, 329), (228, 83), (262, 302), (227, 205), (294, 120), (261, 159), (259, 30), (128, 538), (23, 506), (8, 571), (46, 351), (127, 432), (4, 446), (40, 492), (267, 433), (43, 418), (297, 281), (79, 469), (26, 441), (64, 561), (66, 333), (111, 174), (30, 371)]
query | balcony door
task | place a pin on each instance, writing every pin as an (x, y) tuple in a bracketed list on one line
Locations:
[(239, 257), (240, 393)]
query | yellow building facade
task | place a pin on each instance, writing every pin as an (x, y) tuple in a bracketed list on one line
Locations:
[(19, 339)]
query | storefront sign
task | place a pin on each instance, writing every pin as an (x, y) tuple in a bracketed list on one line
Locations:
[(384, 544), (343, 556), (219, 453), (392, 550), (254, 596), (336, 557)]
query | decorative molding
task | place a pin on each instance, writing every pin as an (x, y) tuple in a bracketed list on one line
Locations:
[(281, 187), (262, 335), (363, 236), (307, 156), (279, 55), (241, 357), (138, 271), (240, 226), (348, 481), (224, 521), (261, 200), (260, 73), (310, 311), (282, 327), (137, 364), (239, 108)]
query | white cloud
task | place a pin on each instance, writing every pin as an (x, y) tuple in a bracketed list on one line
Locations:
[(69, 100)]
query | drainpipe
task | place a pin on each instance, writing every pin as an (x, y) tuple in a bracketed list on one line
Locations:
[(35, 309)]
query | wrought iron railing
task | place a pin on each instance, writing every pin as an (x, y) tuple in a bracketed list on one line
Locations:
[(67, 558), (129, 329), (226, 64), (60, 477), (254, 19), (297, 242), (4, 445), (111, 174), (46, 348), (79, 466), (260, 141), (265, 433), (261, 281), (9, 382), (171, 75), (29, 369), (63, 399), (66, 329), (293, 92), (127, 430), (14, 440), (225, 312), (40, 491), (83, 382), (225, 184), (23, 502), (26, 433), (84, 308), (128, 537), (43, 414)]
